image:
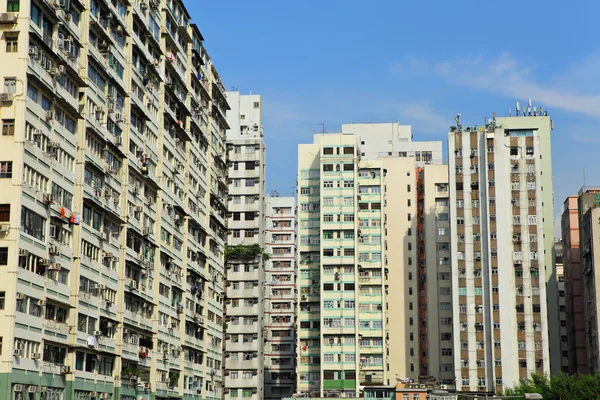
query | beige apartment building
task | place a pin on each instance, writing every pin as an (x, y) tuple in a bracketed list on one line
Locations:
[(589, 232), (245, 273), (577, 354), (436, 344), (358, 280), (501, 212), (112, 188)]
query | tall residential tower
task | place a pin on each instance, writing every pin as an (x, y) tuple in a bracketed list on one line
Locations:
[(280, 297), (113, 131), (244, 355), (577, 354), (502, 239)]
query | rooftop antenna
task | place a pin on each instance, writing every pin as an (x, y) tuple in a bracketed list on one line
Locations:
[(534, 111), (509, 112), (529, 107), (458, 125), (322, 125), (517, 110)]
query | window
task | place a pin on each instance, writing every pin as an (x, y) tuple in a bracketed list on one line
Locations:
[(12, 44), (12, 6), (4, 212), (5, 169), (3, 255), (33, 224)]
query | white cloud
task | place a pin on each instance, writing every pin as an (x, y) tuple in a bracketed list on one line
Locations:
[(422, 116), (505, 76), (584, 134)]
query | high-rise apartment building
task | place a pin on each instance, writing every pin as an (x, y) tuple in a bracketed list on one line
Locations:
[(589, 232), (244, 344), (112, 182), (575, 336), (358, 313), (562, 307), (280, 297), (341, 332), (436, 344), (501, 240)]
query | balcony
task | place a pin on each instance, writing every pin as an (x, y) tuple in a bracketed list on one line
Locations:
[(341, 384)]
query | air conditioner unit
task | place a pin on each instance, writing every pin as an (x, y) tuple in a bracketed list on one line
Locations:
[(17, 353), (39, 302), (49, 115), (119, 141), (8, 18), (147, 231), (143, 5), (33, 50), (139, 208), (53, 250), (133, 284), (55, 267), (7, 97), (35, 356), (4, 227), (118, 117), (98, 333)]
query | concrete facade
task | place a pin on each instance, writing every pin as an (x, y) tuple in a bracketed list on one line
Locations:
[(280, 297), (501, 211), (244, 344), (112, 147)]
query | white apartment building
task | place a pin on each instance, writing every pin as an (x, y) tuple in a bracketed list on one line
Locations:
[(244, 345), (381, 140), (112, 185), (280, 297), (502, 239)]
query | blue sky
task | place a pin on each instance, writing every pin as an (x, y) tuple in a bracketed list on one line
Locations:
[(417, 62)]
